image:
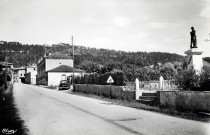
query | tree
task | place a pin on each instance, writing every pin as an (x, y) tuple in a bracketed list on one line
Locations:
[(89, 67)]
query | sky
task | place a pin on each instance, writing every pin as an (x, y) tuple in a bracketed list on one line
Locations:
[(127, 25)]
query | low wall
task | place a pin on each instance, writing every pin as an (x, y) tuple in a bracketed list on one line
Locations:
[(106, 91), (186, 100)]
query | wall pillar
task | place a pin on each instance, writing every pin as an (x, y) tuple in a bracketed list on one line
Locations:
[(138, 90), (161, 83)]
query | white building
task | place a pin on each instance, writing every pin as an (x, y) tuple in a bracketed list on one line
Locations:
[(30, 76), (19, 74), (31, 68), (51, 69), (61, 73)]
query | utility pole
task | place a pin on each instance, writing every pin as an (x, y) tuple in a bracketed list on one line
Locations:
[(6, 73), (72, 41)]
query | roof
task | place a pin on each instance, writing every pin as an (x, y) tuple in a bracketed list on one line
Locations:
[(65, 68), (34, 66), (20, 68), (4, 63), (58, 55)]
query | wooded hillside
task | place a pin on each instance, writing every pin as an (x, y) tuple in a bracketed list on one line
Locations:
[(24, 54), (97, 60)]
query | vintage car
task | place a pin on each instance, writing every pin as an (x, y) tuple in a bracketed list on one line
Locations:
[(64, 84)]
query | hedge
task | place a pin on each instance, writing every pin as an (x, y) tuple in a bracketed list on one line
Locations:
[(101, 79)]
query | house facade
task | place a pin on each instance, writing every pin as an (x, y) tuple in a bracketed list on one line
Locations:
[(30, 76), (19, 74), (50, 62), (63, 72), (3, 65)]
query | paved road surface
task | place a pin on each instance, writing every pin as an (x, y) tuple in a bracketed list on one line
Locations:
[(51, 112)]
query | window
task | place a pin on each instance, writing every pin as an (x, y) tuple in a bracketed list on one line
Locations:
[(63, 77)]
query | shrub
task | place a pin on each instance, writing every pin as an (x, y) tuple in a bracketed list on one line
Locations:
[(191, 81), (205, 79)]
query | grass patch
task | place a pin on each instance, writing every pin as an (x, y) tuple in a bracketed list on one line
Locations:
[(9, 117), (168, 111)]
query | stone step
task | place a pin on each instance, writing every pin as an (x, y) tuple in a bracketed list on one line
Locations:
[(149, 94), (146, 100)]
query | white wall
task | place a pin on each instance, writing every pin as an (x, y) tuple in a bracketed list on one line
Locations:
[(54, 78), (21, 73), (18, 73), (33, 77), (53, 63), (30, 69)]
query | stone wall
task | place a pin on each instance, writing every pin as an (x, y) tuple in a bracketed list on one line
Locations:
[(186, 100), (109, 91)]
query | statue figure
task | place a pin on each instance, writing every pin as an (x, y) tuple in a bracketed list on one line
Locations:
[(193, 43)]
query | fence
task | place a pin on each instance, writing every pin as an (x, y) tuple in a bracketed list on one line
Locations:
[(161, 85), (169, 85), (149, 85)]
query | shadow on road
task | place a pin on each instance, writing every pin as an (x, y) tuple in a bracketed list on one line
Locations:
[(10, 122)]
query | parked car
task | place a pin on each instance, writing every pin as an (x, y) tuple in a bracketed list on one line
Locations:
[(64, 84)]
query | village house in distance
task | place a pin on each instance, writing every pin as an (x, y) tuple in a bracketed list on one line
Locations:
[(30, 76), (19, 74), (55, 67), (25, 74)]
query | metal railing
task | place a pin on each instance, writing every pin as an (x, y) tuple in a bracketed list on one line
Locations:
[(167, 85)]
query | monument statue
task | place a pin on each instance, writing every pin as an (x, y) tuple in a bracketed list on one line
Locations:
[(193, 43), (194, 56)]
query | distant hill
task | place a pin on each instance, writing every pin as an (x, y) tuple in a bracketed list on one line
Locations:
[(21, 54), (92, 59), (24, 54)]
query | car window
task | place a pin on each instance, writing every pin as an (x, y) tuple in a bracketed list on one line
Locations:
[(63, 82)]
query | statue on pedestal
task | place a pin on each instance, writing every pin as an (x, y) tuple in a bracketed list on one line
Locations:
[(193, 43)]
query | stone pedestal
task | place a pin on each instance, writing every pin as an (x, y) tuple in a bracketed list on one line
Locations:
[(194, 59)]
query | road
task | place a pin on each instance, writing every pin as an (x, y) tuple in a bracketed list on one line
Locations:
[(52, 112)]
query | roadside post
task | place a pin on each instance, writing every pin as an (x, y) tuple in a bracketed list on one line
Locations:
[(110, 81), (6, 74), (73, 81)]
